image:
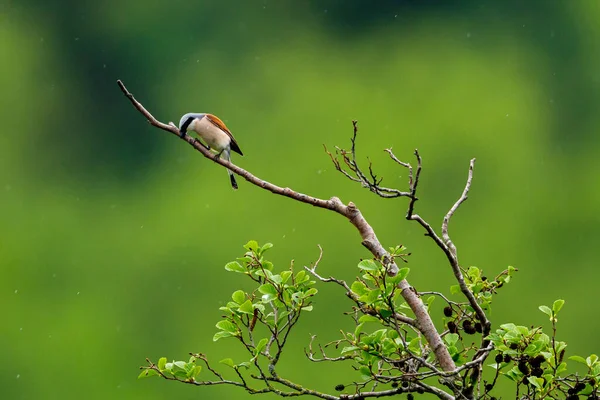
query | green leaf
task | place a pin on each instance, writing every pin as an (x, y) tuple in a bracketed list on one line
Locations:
[(537, 382), (285, 275), (558, 304), (161, 363), (227, 361), (301, 277), (195, 372), (260, 346), (368, 318), (359, 288), (373, 296), (235, 266), (268, 265), (311, 292), (147, 373), (246, 307), (474, 273), (252, 245), (365, 373), (591, 360), (546, 310), (268, 288), (267, 298), (222, 334), (227, 326), (244, 364), (349, 349), (403, 273), (454, 289), (307, 308), (368, 265), (265, 247), (239, 296), (451, 338)]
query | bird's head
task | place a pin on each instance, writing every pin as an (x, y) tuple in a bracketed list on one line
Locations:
[(187, 122)]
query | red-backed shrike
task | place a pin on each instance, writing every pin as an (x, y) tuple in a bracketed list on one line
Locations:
[(215, 135)]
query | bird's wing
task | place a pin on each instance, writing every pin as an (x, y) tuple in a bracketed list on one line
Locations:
[(213, 119)]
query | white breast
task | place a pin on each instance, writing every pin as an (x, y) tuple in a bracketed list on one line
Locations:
[(210, 134)]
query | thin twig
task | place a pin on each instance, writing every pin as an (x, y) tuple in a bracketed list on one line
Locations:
[(453, 209)]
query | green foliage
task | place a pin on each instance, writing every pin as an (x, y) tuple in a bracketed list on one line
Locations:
[(276, 303), (177, 370), (384, 346), (535, 361)]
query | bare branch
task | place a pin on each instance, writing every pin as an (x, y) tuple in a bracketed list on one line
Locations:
[(452, 210)]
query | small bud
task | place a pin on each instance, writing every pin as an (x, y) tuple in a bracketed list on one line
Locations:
[(561, 355), (448, 311), (498, 358), (339, 388), (484, 278)]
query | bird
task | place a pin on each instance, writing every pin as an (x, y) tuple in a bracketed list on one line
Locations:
[(215, 135)]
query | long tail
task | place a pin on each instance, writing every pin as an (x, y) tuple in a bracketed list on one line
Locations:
[(234, 185), (232, 178)]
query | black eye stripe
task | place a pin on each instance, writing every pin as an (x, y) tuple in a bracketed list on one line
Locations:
[(186, 124)]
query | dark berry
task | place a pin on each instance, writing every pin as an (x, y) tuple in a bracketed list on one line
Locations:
[(523, 368), (478, 327), (537, 372), (579, 387), (448, 311), (507, 358), (468, 327), (514, 346), (410, 396), (498, 358), (537, 360), (452, 327), (339, 388)]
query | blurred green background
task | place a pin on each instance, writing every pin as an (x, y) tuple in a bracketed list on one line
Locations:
[(114, 234)]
